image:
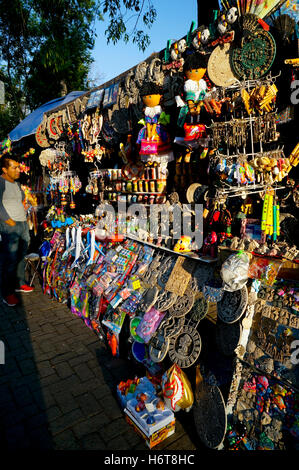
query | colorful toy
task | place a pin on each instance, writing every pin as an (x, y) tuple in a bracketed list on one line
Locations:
[(153, 137), (183, 245), (195, 89), (210, 245), (177, 390), (142, 398)]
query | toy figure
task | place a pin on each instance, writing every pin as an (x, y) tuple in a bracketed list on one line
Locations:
[(183, 245), (195, 89), (177, 49), (153, 137), (201, 38), (141, 397), (151, 94), (160, 405), (210, 245)]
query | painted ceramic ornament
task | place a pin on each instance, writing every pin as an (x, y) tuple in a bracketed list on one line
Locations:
[(201, 38), (196, 40), (177, 49), (232, 15), (205, 36), (222, 25)]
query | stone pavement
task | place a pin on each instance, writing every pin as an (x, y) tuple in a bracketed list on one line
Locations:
[(58, 384)]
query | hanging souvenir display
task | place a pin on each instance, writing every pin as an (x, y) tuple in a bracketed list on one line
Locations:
[(205, 287)]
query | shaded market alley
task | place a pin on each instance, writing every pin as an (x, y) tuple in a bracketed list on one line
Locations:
[(58, 383)]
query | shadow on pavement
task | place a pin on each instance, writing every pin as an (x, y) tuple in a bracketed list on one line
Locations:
[(23, 418)]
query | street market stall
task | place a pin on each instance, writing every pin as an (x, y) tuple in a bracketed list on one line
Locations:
[(172, 224)]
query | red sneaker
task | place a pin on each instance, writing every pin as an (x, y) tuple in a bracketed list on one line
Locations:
[(24, 288), (11, 300)]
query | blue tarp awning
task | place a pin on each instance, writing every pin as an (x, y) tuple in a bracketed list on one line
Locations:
[(31, 122)]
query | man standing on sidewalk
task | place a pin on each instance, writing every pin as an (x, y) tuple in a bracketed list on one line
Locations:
[(14, 232)]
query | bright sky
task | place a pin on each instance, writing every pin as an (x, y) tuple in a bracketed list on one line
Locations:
[(174, 18)]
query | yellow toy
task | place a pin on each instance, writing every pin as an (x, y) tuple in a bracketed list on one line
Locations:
[(183, 245)]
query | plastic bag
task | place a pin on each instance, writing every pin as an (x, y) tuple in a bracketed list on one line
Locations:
[(234, 272), (149, 324), (266, 270)]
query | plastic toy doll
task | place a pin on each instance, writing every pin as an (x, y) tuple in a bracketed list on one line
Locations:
[(195, 89), (153, 137), (151, 96)]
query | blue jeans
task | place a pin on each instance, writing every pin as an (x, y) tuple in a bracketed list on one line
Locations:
[(14, 246)]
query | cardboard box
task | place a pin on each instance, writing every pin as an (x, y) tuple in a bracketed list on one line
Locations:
[(157, 434)]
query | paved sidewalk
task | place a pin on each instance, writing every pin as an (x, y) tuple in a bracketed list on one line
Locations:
[(58, 384)]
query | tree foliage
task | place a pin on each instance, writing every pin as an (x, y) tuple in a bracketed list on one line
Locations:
[(46, 46), (125, 17)]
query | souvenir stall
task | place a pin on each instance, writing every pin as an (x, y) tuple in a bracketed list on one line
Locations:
[(210, 123)]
